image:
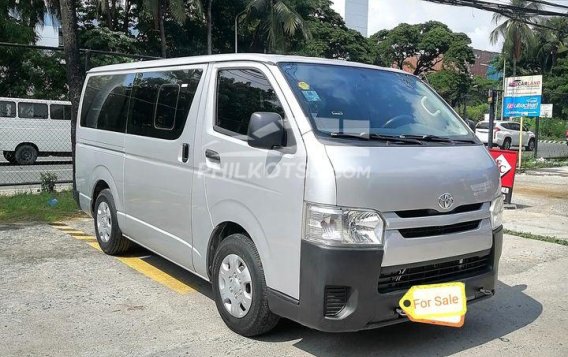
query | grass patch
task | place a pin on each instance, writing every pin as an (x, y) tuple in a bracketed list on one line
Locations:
[(530, 163), (30, 207), (548, 239)]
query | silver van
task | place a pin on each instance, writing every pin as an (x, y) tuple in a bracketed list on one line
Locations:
[(311, 189)]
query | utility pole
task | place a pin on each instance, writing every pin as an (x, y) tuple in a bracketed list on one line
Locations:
[(491, 99)]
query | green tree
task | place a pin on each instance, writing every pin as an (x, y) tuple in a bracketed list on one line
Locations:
[(275, 21), (330, 38), (515, 30), (159, 9), (428, 44)]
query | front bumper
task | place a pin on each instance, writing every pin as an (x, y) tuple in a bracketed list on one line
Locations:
[(358, 270)]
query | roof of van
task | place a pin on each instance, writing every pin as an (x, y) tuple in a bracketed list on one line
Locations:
[(255, 57)]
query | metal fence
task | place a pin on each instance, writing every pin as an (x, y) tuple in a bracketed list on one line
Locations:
[(35, 142)]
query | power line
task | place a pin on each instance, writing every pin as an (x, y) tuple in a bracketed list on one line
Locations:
[(83, 50), (501, 8)]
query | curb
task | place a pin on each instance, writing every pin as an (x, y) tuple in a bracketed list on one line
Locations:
[(552, 142)]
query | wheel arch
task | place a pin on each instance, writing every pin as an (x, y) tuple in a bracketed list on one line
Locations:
[(101, 178)]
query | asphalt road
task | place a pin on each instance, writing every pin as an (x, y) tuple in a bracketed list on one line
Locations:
[(61, 297)]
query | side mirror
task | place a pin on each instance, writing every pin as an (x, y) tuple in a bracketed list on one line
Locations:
[(266, 131), (472, 124)]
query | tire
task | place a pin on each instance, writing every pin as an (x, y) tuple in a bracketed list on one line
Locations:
[(26, 154), (108, 233), (531, 145), (258, 319), (10, 156), (506, 144)]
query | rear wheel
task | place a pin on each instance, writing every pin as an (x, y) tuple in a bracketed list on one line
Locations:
[(239, 287), (531, 145), (10, 156), (108, 233), (506, 144), (26, 154)]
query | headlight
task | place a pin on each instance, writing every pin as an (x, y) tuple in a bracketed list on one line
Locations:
[(497, 212), (338, 226)]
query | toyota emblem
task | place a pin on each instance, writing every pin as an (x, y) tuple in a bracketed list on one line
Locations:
[(446, 200)]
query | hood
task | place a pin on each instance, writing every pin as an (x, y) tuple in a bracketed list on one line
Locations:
[(399, 178)]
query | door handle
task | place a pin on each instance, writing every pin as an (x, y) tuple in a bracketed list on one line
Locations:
[(213, 155), (184, 152)]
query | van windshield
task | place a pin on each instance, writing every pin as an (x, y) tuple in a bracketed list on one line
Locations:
[(343, 101)]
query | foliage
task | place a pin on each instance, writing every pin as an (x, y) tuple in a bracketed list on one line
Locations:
[(428, 44), (48, 180), (451, 85), (29, 207), (549, 128), (477, 112)]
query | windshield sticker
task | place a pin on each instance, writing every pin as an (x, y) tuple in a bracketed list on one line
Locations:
[(311, 96), (303, 85)]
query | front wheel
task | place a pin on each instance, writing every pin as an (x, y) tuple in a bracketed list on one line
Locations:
[(239, 287), (506, 144), (531, 145)]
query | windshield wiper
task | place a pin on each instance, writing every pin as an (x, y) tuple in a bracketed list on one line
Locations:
[(372, 136), (341, 135), (392, 138), (431, 138)]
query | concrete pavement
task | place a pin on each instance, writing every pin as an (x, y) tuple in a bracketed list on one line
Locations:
[(541, 197), (61, 297)]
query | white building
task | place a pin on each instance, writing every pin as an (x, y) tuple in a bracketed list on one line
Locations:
[(355, 13)]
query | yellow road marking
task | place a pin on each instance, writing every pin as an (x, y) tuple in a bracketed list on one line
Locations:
[(135, 263)]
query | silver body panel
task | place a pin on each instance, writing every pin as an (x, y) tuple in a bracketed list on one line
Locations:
[(172, 207)]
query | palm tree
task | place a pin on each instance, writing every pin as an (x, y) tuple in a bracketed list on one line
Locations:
[(277, 20), (515, 30), (158, 9)]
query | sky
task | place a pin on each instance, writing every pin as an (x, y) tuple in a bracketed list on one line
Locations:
[(477, 24)]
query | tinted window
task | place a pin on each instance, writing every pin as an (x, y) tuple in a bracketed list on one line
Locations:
[(240, 93), (7, 109), (166, 106), (482, 125), (32, 110), (60, 112), (515, 126), (359, 101), (105, 102), (161, 102)]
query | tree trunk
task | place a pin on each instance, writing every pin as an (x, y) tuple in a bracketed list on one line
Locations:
[(125, 26), (108, 15), (113, 14), (72, 59), (163, 44), (209, 28)]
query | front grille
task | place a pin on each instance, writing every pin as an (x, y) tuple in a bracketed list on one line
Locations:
[(432, 212), (335, 300), (439, 230), (401, 278)]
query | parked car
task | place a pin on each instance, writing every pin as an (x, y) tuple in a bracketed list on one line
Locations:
[(30, 128), (505, 134), (312, 189)]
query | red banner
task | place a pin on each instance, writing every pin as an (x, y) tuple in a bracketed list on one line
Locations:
[(507, 164)]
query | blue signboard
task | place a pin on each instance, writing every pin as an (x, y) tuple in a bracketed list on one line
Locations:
[(526, 106)]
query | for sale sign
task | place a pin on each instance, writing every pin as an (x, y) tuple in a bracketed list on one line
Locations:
[(506, 161)]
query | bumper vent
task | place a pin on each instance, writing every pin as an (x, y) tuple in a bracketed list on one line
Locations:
[(432, 212), (439, 230), (335, 300), (400, 277)]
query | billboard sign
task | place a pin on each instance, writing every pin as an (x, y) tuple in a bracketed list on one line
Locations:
[(523, 96), (546, 110)]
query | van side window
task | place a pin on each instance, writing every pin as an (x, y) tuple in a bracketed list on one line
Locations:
[(240, 93), (60, 112), (105, 102), (161, 102), (7, 109), (32, 110)]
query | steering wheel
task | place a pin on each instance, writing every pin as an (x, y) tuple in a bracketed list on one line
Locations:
[(399, 118)]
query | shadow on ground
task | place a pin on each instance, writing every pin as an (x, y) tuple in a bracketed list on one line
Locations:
[(493, 319)]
